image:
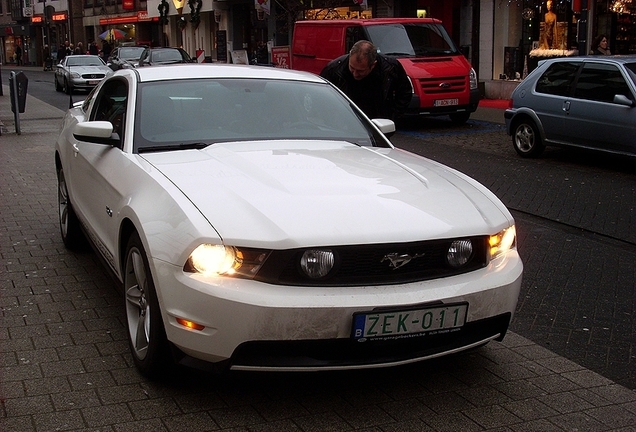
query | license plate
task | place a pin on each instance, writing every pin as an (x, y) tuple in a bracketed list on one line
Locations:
[(402, 323), (445, 102), (93, 82)]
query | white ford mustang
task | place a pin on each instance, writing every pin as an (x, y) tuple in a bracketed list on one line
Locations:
[(256, 219)]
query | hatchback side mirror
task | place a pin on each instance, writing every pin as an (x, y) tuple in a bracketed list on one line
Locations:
[(623, 100)]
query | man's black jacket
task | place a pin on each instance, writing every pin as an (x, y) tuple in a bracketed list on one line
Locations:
[(396, 87)]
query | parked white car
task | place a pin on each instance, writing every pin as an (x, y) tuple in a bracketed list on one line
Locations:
[(257, 220), (80, 72)]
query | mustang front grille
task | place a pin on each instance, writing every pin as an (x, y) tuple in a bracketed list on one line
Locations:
[(375, 264)]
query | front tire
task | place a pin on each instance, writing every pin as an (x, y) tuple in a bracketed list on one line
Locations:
[(67, 87), (57, 85), (146, 333), (459, 118), (526, 138), (70, 229)]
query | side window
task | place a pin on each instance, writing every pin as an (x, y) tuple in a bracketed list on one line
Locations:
[(558, 79), (601, 82), (111, 105)]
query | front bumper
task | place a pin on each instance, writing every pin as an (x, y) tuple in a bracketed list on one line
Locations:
[(252, 325), (415, 108)]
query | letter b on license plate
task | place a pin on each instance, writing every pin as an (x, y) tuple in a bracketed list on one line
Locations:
[(394, 324)]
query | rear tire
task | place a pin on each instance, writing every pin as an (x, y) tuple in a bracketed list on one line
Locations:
[(146, 334), (526, 138)]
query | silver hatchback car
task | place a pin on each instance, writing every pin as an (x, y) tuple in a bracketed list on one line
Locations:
[(584, 102)]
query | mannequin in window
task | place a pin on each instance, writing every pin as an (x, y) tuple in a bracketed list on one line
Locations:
[(550, 27)]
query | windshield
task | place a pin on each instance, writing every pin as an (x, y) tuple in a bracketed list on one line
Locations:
[(131, 53), (173, 114), (411, 39), (165, 56), (84, 60)]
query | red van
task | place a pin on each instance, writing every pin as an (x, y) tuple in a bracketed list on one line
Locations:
[(443, 81)]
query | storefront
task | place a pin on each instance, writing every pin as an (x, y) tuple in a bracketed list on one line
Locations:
[(526, 31)]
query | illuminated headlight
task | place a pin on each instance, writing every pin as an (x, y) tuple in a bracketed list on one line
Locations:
[(215, 260), (317, 263), (473, 79), (459, 252), (502, 242)]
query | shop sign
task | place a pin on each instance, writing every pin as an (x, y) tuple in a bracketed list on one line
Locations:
[(281, 57), (143, 16), (59, 17), (38, 19), (128, 4)]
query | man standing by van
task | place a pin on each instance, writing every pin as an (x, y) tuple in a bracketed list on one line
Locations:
[(376, 83)]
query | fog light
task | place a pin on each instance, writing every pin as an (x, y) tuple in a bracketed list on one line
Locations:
[(317, 263), (459, 253)]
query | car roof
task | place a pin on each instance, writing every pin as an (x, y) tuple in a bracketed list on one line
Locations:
[(220, 70), (369, 21), (628, 58)]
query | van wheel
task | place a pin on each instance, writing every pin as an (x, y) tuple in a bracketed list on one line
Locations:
[(459, 118), (526, 139)]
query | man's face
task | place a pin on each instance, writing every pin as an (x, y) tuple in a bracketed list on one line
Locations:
[(359, 67)]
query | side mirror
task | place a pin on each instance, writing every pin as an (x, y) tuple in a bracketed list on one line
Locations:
[(386, 126), (623, 100), (97, 132)]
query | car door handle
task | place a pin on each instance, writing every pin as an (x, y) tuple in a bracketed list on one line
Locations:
[(75, 149), (566, 106)]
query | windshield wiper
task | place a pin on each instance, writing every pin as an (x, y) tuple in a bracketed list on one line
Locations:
[(173, 147)]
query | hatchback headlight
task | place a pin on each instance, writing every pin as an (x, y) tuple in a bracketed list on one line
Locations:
[(502, 242), (216, 260), (75, 75)]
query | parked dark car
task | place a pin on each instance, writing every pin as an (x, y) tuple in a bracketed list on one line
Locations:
[(164, 55), (585, 102), (125, 57)]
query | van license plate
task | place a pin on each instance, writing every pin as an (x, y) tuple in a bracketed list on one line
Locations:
[(401, 323), (445, 102)]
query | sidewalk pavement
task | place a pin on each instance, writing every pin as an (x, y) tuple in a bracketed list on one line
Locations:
[(65, 366)]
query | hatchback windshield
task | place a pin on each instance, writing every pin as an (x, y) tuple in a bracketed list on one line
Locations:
[(411, 39), (207, 111), (84, 60)]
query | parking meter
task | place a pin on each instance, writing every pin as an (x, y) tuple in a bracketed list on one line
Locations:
[(18, 83)]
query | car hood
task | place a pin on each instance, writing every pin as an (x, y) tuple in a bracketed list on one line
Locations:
[(301, 193)]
